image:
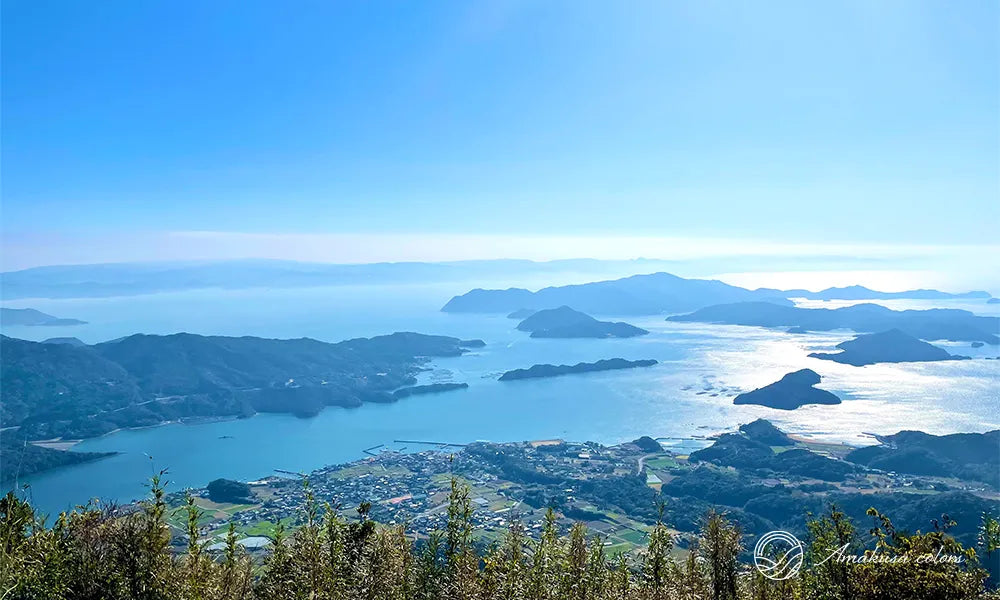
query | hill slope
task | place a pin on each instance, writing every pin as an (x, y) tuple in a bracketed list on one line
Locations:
[(965, 455), (61, 390)]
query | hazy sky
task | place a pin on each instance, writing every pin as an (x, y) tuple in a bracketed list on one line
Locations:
[(869, 122)]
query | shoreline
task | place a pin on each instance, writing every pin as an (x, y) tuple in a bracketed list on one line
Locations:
[(68, 444)]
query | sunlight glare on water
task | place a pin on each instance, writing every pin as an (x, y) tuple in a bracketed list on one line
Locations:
[(682, 400)]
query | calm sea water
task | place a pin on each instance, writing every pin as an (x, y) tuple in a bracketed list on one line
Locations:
[(686, 397)]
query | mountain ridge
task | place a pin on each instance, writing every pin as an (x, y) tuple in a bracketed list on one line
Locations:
[(653, 293), (657, 293)]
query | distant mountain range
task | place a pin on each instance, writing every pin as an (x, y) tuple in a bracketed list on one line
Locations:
[(126, 279), (934, 324), (860, 292), (658, 293), (636, 295), (32, 317), (129, 279)]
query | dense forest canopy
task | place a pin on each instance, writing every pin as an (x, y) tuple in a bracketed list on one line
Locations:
[(126, 554)]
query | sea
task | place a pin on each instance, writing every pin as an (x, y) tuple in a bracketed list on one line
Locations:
[(683, 400)]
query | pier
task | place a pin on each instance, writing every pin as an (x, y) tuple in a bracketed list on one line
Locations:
[(440, 444), (283, 471), (369, 452)]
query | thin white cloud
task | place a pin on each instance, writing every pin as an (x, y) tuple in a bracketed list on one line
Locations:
[(357, 248), (973, 262)]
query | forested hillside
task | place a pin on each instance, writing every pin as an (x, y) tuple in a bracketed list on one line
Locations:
[(61, 390), (116, 554)]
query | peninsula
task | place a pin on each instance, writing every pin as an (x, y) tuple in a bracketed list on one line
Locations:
[(974, 456), (892, 346), (72, 392), (22, 458), (34, 318), (431, 388)]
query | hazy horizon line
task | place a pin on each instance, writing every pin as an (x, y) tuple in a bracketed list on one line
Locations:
[(21, 252)]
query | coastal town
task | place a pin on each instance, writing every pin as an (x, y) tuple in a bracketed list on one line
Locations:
[(412, 488), (614, 490)]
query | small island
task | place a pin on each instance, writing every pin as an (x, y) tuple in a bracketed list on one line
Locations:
[(564, 322), (790, 392), (609, 364), (892, 346), (521, 313)]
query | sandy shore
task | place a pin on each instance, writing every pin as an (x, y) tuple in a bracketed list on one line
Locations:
[(56, 444)]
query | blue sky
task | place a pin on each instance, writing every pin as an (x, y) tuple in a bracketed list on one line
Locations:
[(781, 122)]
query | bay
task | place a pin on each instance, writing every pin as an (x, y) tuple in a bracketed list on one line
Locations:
[(685, 398)]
